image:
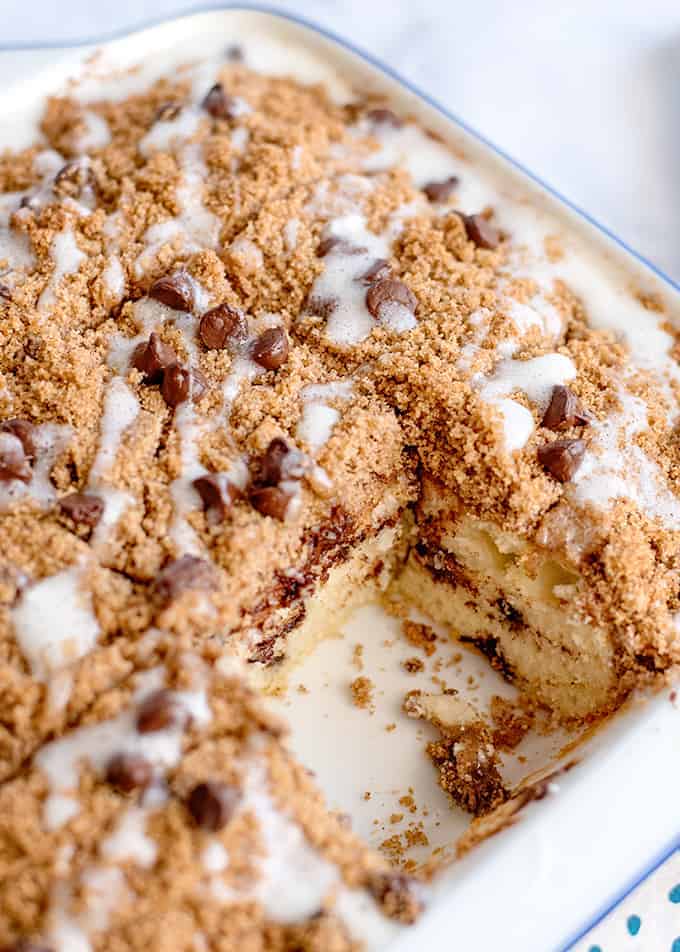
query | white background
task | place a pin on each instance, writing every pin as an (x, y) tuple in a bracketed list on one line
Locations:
[(586, 93)]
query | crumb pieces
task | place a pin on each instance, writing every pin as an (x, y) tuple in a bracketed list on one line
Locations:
[(409, 803), (367, 795), (362, 689), (301, 689), (512, 721), (390, 727), (413, 665), (396, 817), (358, 657), (420, 636)]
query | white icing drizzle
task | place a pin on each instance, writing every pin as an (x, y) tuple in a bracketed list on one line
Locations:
[(129, 840), (184, 497), (95, 135), (214, 857), (166, 133), (196, 228), (350, 322), (67, 258), (426, 159), (318, 418), (121, 408), (50, 439), (316, 425), (54, 624), (113, 277), (290, 234), (247, 254), (536, 378), (614, 467), (97, 743)]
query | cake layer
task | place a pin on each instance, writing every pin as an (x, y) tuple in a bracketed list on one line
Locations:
[(172, 817), (531, 613)]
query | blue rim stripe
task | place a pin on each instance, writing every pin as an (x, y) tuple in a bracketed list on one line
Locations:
[(411, 87), (623, 893)]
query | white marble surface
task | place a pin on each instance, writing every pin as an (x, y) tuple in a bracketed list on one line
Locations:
[(587, 94)]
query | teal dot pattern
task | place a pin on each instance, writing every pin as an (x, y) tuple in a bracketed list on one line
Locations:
[(646, 919)]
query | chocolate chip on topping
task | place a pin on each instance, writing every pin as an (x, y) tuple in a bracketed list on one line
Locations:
[(188, 573), (168, 111), (280, 462), (5, 292), (440, 191), (339, 246), (382, 116), (13, 462), (217, 495), (271, 501), (389, 291), (181, 383), (84, 509), (212, 804), (222, 326), (481, 232), (128, 772), (218, 104), (270, 350), (378, 270), (160, 710), (152, 358), (562, 458), (73, 178), (564, 410), (24, 432), (176, 290)]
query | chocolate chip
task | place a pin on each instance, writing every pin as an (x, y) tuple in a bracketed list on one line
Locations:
[(270, 350), (339, 246), (217, 495), (84, 509), (235, 53), (271, 501), (440, 191), (160, 710), (73, 179), (188, 573), (152, 358), (168, 111), (25, 433), (564, 410), (379, 269), (222, 326), (13, 462), (481, 232), (180, 384), (5, 292), (280, 462), (176, 290), (387, 291), (212, 804), (218, 104), (562, 458), (128, 772), (397, 894), (381, 116)]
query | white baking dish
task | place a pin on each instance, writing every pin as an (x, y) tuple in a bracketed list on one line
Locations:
[(538, 885)]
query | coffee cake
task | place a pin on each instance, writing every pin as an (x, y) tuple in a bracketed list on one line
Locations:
[(270, 349)]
